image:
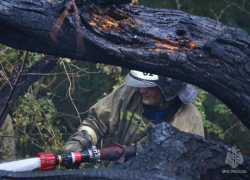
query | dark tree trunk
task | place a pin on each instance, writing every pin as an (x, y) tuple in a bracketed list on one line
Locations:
[(171, 155), (172, 43), (90, 174), (10, 91), (172, 152)]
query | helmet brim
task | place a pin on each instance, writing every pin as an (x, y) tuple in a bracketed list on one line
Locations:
[(169, 87), (131, 81)]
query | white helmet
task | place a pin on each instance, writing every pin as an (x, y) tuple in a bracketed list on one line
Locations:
[(169, 87)]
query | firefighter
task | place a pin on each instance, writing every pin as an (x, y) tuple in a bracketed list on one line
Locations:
[(131, 111)]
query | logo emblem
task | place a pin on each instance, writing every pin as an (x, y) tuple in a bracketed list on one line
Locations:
[(234, 157)]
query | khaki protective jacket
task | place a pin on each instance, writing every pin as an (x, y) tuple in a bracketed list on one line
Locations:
[(120, 114)]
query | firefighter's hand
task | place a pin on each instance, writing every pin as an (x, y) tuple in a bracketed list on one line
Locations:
[(79, 141), (73, 146)]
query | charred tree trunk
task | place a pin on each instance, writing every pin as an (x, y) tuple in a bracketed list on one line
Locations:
[(91, 174), (172, 43), (18, 85), (186, 155), (171, 155)]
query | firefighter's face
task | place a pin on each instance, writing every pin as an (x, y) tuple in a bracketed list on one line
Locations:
[(151, 96)]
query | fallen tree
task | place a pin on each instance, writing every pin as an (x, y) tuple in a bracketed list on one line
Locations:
[(185, 155), (171, 155), (172, 43)]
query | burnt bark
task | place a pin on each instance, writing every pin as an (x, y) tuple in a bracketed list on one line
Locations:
[(188, 156), (197, 50), (11, 90), (93, 174), (171, 155)]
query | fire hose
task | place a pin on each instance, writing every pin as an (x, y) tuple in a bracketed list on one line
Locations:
[(109, 152)]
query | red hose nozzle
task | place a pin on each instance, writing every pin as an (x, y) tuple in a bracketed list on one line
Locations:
[(48, 160)]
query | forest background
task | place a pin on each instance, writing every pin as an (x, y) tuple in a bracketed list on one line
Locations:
[(54, 107)]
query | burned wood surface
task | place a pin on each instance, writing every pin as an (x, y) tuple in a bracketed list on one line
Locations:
[(171, 155), (188, 156), (11, 90), (91, 174), (198, 50)]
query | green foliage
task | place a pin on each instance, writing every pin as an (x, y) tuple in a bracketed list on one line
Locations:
[(222, 109), (209, 126), (67, 60), (9, 59), (213, 128), (114, 72), (35, 57), (120, 81), (227, 113), (234, 132), (35, 117), (198, 102), (107, 69)]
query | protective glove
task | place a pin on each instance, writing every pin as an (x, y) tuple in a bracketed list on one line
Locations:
[(79, 141)]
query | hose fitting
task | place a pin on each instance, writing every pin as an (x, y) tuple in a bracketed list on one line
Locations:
[(48, 160), (94, 154)]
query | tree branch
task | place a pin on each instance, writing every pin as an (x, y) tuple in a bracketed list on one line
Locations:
[(197, 50), (10, 94)]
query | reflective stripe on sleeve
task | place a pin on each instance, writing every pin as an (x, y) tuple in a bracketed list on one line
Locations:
[(91, 133)]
